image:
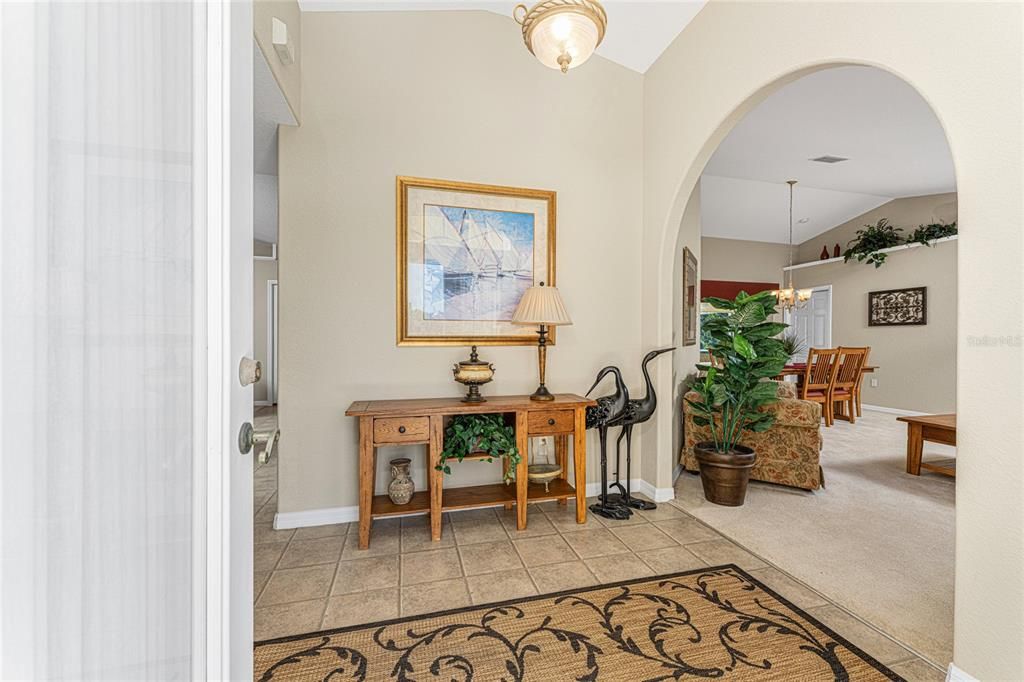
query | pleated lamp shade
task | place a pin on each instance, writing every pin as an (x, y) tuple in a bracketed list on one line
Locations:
[(541, 305)]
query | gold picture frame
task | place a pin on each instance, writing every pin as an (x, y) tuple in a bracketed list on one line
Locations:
[(422, 207), (690, 297)]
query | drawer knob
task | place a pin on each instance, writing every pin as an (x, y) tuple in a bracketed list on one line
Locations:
[(401, 429), (551, 422)]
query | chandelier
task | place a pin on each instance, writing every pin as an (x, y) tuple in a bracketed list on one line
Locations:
[(789, 297), (562, 34)]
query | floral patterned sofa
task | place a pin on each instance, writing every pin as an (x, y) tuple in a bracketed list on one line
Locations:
[(787, 453)]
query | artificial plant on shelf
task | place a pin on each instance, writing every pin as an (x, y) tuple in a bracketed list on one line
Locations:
[(866, 245), (469, 434), (926, 234), (733, 393), (792, 345)]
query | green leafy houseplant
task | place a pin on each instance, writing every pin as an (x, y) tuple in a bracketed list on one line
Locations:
[(742, 343), (865, 246), (925, 234), (468, 434)]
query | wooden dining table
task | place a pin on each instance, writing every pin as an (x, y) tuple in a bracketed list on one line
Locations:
[(798, 370)]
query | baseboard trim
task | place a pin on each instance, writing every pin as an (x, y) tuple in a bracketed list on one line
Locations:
[(316, 517), (893, 410), (331, 515), (262, 403), (955, 674), (639, 486)]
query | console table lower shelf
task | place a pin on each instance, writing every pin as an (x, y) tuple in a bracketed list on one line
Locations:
[(422, 422)]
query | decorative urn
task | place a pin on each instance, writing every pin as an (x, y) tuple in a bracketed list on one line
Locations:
[(473, 373)]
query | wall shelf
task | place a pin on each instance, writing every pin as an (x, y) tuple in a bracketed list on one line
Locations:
[(891, 249)]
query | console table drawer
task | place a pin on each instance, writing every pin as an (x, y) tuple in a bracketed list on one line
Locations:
[(551, 421), (401, 429)]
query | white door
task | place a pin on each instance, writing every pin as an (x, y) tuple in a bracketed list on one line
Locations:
[(125, 285), (813, 323), (230, 295)]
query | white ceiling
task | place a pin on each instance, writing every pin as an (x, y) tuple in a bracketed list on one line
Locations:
[(638, 30), (894, 143), (733, 208)]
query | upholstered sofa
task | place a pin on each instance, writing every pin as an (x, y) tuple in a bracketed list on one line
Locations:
[(787, 453)]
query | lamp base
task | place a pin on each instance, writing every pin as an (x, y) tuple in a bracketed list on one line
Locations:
[(542, 394)]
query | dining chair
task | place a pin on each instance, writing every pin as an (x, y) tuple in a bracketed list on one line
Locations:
[(848, 376), (819, 375), (856, 389)]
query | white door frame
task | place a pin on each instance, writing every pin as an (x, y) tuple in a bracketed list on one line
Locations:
[(222, 42), (272, 293)]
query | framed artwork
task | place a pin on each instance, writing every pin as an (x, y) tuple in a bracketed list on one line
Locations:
[(466, 253), (690, 297), (898, 307)]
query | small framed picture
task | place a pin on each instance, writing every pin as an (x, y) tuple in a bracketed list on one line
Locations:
[(898, 307), (691, 297)]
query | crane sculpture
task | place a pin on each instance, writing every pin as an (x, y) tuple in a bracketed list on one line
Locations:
[(637, 411), (608, 411)]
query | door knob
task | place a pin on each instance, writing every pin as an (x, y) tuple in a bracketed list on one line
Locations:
[(249, 438), (269, 440), (249, 371)]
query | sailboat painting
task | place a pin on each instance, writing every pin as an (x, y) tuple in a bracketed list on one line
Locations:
[(466, 255), (476, 263)]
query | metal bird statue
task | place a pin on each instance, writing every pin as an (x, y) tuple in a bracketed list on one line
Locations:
[(606, 413), (637, 412)]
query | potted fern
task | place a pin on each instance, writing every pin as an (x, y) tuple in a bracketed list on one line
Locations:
[(731, 395), (481, 436)]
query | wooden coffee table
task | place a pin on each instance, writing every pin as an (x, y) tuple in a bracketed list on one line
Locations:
[(936, 428)]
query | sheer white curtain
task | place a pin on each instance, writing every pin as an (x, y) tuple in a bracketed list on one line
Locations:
[(96, 339)]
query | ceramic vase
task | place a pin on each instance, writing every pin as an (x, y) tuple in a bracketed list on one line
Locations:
[(824, 252), (401, 487)]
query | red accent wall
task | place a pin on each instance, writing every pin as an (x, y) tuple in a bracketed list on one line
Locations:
[(720, 288)]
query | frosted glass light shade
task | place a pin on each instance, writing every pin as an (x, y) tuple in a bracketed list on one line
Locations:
[(541, 305), (563, 34)]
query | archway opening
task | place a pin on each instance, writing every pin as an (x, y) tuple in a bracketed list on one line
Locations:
[(732, 215)]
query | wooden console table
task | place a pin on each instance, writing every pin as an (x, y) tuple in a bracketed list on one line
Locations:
[(937, 428), (422, 421)]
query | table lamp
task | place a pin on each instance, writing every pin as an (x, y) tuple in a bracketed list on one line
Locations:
[(541, 306)]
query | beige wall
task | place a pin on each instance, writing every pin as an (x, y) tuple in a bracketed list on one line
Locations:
[(906, 213), (739, 260), (916, 365), (288, 77), (455, 96), (730, 57), (263, 272)]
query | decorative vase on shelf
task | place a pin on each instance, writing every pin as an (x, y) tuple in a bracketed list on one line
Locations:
[(401, 487), (836, 252), (824, 252)]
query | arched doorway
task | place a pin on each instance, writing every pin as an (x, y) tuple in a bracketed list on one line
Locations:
[(761, 150), (736, 53)]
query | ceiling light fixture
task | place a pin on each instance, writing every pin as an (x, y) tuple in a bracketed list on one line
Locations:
[(562, 34), (789, 297), (828, 158)]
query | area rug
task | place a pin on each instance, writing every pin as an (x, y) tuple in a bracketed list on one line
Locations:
[(707, 623)]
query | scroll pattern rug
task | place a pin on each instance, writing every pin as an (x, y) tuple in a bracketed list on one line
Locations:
[(715, 623)]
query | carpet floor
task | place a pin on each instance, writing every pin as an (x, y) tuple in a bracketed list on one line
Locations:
[(706, 623), (876, 540)]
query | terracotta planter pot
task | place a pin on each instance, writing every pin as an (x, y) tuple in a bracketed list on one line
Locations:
[(724, 475)]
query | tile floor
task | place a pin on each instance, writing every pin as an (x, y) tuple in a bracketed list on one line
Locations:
[(316, 578)]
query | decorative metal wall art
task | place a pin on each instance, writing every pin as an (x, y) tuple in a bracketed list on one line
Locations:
[(898, 307), (690, 297)]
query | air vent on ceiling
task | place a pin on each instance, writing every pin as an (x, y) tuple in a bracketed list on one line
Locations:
[(830, 159)]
